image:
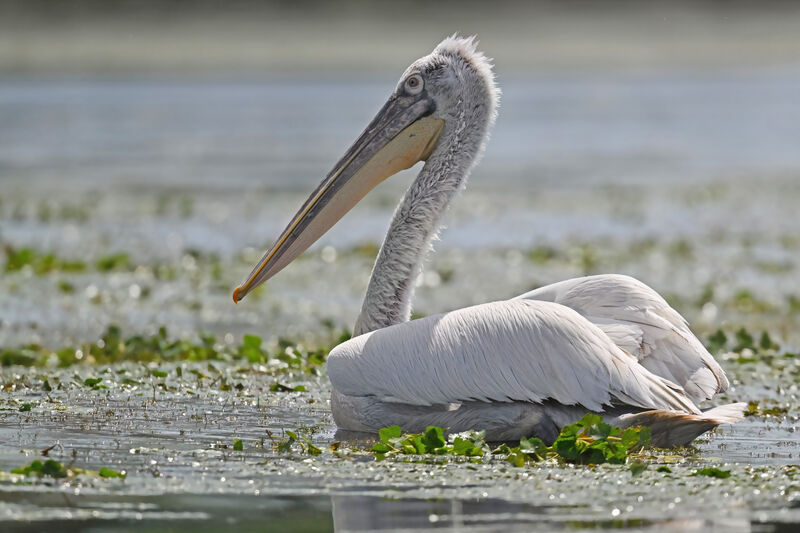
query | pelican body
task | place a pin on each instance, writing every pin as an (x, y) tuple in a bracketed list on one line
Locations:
[(607, 344)]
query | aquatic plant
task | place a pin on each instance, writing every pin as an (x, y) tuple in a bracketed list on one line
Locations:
[(50, 468), (292, 440), (112, 347), (712, 471), (590, 440), (54, 469), (40, 263), (754, 409), (742, 340)]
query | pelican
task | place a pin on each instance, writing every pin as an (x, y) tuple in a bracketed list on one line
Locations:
[(527, 366)]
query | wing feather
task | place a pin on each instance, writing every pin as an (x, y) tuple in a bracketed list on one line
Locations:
[(518, 350), (639, 320)]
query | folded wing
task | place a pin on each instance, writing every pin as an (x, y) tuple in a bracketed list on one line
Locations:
[(518, 350), (639, 320)]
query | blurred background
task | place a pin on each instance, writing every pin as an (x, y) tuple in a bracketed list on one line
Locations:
[(150, 152)]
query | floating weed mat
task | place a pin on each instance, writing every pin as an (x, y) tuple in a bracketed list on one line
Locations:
[(745, 346), (39, 263), (588, 441), (112, 347), (711, 471), (53, 469)]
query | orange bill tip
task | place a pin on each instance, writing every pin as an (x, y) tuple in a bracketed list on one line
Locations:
[(236, 296)]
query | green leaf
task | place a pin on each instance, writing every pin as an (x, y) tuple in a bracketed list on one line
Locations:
[(534, 447), (113, 262), (717, 341), (712, 471), (159, 373), (417, 443), (466, 447), (280, 387), (565, 444), (53, 469), (592, 441), (391, 432), (433, 439), (285, 446), (516, 457), (312, 450), (251, 341), (636, 468), (92, 382), (25, 407), (664, 468), (598, 431), (644, 438), (35, 467), (743, 340), (590, 419), (238, 446), (766, 343), (109, 473), (381, 447), (635, 438)]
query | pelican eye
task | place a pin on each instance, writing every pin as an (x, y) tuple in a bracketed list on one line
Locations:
[(414, 84)]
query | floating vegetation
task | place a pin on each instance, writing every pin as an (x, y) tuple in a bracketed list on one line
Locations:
[(39, 263), (93, 383), (637, 468), (742, 340), (118, 261), (48, 468), (754, 409), (110, 474), (588, 441), (431, 442), (292, 441), (112, 347), (746, 302), (542, 254), (712, 471), (42, 263), (55, 470), (280, 387)]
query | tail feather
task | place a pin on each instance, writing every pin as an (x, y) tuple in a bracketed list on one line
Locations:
[(673, 428), (727, 414)]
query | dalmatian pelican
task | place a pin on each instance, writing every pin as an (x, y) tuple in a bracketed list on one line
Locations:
[(607, 344)]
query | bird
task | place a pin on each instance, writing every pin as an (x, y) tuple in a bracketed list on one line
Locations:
[(515, 368)]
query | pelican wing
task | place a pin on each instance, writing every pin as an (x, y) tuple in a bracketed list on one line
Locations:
[(641, 322), (518, 350)]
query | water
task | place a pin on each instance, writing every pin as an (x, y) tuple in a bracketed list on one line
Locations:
[(686, 180), (591, 128)]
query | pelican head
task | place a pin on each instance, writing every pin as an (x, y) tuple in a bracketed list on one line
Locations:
[(443, 104)]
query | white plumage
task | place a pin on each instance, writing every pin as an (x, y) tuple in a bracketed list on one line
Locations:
[(607, 344), (517, 350), (637, 319)]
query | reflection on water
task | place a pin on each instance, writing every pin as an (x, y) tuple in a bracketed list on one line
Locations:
[(201, 513)]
